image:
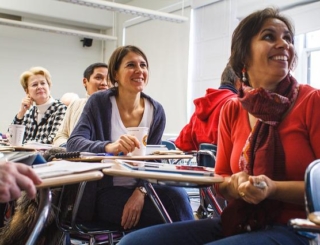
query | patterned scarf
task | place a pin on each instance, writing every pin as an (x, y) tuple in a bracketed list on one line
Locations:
[(263, 152)]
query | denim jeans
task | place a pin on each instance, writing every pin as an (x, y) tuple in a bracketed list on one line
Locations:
[(111, 201), (207, 231)]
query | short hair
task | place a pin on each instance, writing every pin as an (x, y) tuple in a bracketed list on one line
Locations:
[(116, 59), (246, 30), (37, 70), (90, 69), (228, 76)]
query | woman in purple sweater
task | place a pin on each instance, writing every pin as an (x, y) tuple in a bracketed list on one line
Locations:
[(102, 128)]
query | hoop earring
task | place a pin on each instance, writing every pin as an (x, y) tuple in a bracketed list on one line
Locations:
[(244, 79), (116, 84)]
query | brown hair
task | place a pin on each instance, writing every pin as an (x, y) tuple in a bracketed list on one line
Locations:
[(116, 59), (228, 77), (246, 30), (34, 71)]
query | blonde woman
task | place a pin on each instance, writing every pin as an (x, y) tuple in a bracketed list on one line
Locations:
[(39, 112)]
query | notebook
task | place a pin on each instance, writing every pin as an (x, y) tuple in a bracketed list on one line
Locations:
[(166, 168), (26, 157), (59, 168)]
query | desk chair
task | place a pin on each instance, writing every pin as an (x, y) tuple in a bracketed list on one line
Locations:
[(93, 232), (312, 201), (169, 144), (210, 204)]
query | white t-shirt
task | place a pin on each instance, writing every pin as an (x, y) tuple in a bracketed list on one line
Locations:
[(118, 129)]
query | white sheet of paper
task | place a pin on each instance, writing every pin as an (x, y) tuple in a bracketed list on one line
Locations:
[(58, 168)]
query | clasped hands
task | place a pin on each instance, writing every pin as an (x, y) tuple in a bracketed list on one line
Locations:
[(252, 189)]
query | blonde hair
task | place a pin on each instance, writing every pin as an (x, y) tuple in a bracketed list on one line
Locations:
[(34, 71)]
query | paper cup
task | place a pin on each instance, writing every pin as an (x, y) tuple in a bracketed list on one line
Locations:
[(16, 134), (141, 133)]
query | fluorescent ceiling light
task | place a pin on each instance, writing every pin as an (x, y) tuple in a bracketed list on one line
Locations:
[(128, 9), (57, 30)]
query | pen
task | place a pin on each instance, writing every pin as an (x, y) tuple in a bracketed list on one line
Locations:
[(261, 184), (86, 154), (42, 165)]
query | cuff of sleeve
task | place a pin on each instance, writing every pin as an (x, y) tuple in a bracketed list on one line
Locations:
[(17, 119), (140, 183)]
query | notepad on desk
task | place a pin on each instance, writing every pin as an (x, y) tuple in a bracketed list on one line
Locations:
[(166, 168), (37, 145), (150, 149), (59, 168), (168, 152)]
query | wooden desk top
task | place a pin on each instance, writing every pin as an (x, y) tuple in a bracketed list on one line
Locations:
[(71, 179), (118, 170), (314, 217), (147, 157)]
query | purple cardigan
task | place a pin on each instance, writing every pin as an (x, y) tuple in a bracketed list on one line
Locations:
[(93, 131)]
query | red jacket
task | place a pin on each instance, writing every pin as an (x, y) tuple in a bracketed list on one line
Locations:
[(203, 125)]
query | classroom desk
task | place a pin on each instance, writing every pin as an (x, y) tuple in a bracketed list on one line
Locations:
[(45, 197), (162, 179), (176, 157)]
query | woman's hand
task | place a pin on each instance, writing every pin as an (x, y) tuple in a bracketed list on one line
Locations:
[(132, 210), (125, 144), (232, 184), (284, 191), (250, 192), (25, 105)]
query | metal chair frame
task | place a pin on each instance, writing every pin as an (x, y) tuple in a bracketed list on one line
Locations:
[(312, 201), (210, 204), (92, 232)]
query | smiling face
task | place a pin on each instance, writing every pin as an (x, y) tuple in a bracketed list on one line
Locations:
[(271, 55), (38, 89), (97, 81), (132, 74)]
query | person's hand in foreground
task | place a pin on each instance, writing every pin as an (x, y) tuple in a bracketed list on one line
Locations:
[(14, 178)]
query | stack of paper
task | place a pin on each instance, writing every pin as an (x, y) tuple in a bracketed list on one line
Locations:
[(37, 145), (6, 148), (59, 168)]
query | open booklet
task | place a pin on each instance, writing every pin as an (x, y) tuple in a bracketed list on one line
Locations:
[(166, 168), (59, 168)]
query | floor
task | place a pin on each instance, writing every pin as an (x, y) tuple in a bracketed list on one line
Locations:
[(194, 201)]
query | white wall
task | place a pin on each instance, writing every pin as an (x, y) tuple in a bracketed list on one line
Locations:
[(212, 27), (166, 45), (214, 23), (62, 55)]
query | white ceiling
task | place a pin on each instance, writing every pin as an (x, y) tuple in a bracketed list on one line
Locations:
[(56, 13), (59, 13)]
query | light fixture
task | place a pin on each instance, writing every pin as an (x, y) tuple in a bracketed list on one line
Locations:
[(57, 30), (128, 9)]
